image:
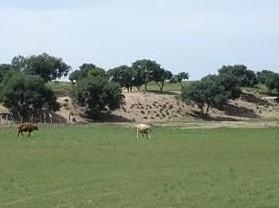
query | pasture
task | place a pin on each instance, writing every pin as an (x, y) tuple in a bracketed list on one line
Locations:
[(105, 166)]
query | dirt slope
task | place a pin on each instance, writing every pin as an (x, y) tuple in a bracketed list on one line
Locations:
[(166, 107), (148, 107)]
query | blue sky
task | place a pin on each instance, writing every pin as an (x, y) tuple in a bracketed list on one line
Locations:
[(197, 36)]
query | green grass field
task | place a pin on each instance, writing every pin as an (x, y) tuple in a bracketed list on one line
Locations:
[(60, 86), (66, 87), (152, 86), (105, 166)]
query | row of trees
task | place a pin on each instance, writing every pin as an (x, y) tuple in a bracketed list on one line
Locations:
[(24, 91), (140, 73)]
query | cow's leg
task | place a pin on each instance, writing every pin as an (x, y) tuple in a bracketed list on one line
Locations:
[(145, 135), (18, 132), (29, 132), (148, 133), (137, 134)]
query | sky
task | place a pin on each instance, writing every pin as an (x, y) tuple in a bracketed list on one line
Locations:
[(196, 36)]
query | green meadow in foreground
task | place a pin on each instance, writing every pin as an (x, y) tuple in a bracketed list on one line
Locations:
[(105, 166)]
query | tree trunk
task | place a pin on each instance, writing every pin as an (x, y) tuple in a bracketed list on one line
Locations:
[(162, 86), (50, 118), (44, 117), (207, 109), (181, 85)]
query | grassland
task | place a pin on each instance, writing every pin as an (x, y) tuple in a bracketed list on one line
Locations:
[(105, 166), (60, 86), (169, 87), (66, 87)]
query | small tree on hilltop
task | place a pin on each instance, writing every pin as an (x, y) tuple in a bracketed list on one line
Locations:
[(180, 77), (122, 75), (145, 68), (138, 77), (159, 75)]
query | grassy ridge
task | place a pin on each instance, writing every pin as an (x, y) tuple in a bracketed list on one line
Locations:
[(105, 166), (61, 87)]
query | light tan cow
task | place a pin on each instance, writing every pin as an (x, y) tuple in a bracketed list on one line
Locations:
[(143, 129)]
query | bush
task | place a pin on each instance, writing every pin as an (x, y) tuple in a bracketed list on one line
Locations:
[(245, 77), (211, 91), (98, 94), (24, 94)]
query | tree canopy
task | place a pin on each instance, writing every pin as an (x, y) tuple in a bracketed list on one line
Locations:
[(98, 94), (272, 81), (24, 94), (4, 69), (145, 68), (122, 75), (264, 74), (160, 75), (205, 93), (44, 65), (245, 77), (140, 73), (87, 70), (180, 77), (212, 91), (95, 91)]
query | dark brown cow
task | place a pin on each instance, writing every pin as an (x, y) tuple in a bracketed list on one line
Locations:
[(26, 127)]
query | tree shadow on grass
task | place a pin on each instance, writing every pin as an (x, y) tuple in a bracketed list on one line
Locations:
[(199, 115), (162, 92), (107, 117)]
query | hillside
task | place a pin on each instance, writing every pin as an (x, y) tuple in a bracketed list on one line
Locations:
[(166, 107), (153, 106)]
